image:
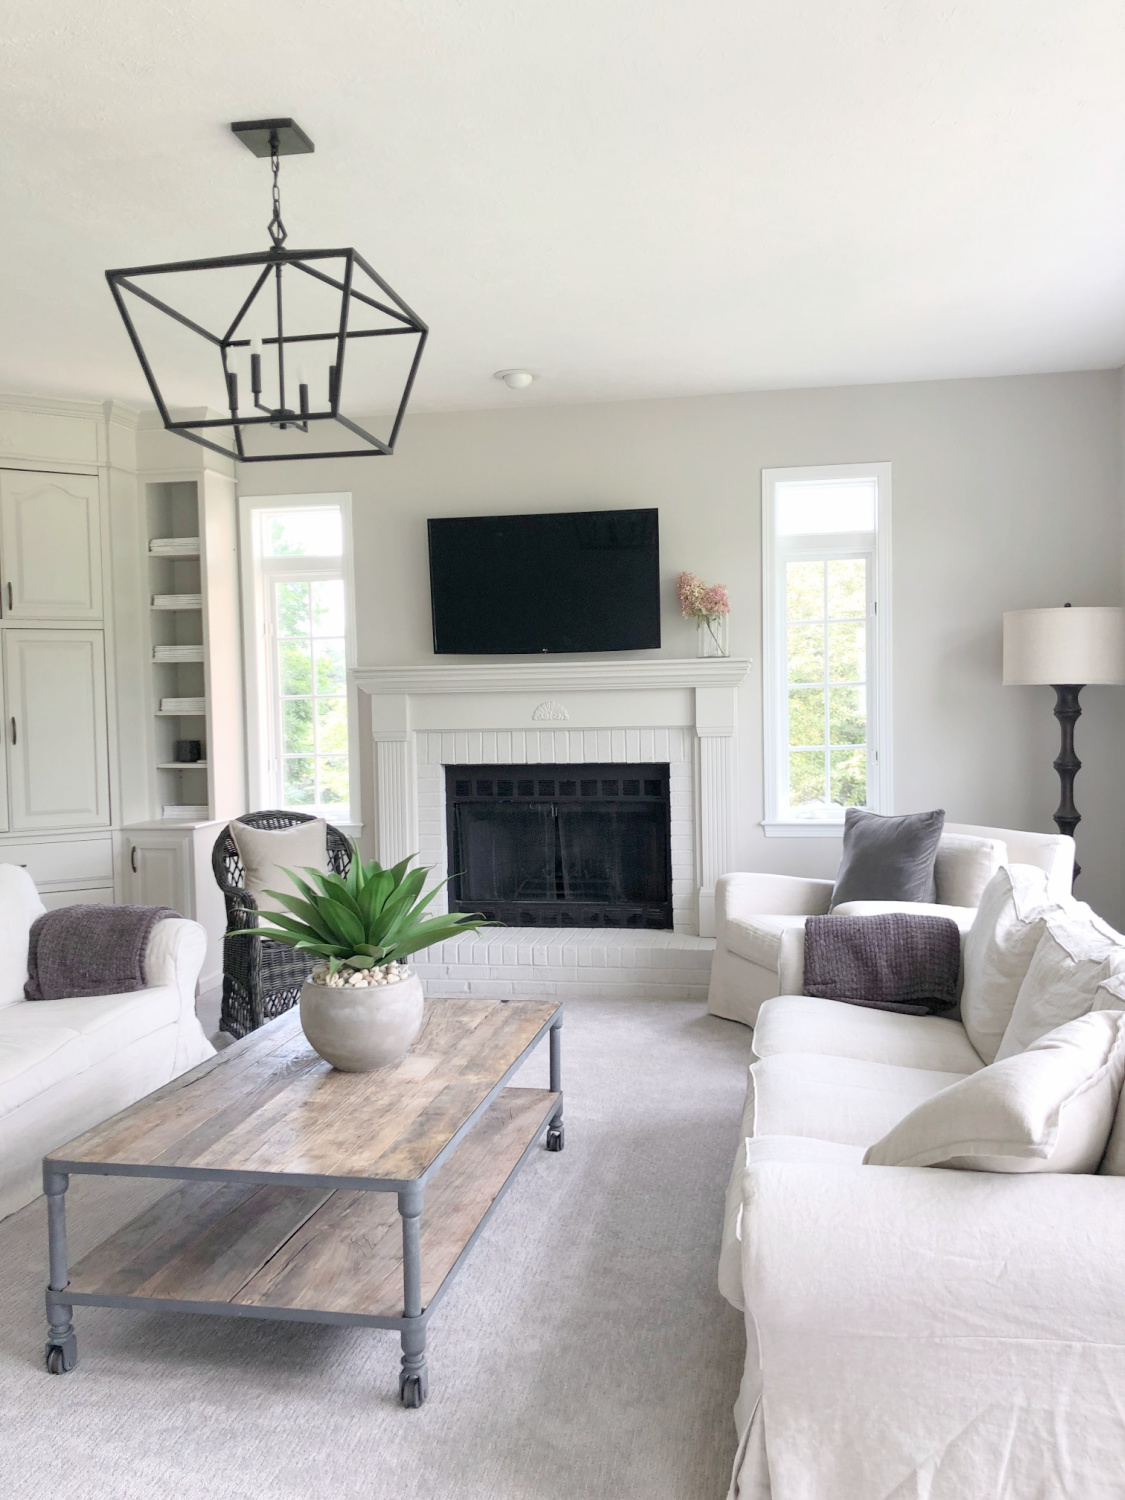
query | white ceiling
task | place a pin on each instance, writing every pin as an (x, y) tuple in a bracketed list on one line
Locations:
[(629, 197)]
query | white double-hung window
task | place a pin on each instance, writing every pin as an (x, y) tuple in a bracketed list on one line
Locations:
[(300, 637), (826, 644)]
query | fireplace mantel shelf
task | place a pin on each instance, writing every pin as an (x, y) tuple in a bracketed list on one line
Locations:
[(554, 676)]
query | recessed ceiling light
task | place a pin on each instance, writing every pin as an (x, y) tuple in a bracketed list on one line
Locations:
[(516, 380)]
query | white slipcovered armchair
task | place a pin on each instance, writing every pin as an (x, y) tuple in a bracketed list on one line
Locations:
[(66, 1065), (760, 919)]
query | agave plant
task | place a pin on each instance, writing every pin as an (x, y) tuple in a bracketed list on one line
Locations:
[(366, 918)]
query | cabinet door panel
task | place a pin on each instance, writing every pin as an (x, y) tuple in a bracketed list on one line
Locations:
[(4, 820), (55, 725), (50, 546), (156, 874)]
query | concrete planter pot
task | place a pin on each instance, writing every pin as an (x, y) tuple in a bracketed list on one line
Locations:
[(358, 1028)]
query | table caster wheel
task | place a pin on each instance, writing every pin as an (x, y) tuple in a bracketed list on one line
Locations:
[(556, 1138), (413, 1390), (57, 1361)]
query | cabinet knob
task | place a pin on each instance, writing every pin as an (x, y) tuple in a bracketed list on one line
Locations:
[(9, 595), (13, 729), (133, 858)]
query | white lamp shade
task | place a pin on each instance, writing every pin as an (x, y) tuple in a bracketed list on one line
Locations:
[(1064, 646)]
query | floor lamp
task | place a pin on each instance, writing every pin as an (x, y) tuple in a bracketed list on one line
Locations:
[(1066, 649)]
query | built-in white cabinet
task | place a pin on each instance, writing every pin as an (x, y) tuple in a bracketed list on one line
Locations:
[(72, 610), (158, 871), (50, 546), (171, 866), (55, 728)]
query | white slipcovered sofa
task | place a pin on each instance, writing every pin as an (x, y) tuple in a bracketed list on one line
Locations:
[(918, 1333), (66, 1065), (760, 918)]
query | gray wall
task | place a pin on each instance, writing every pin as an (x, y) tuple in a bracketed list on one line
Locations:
[(1007, 494)]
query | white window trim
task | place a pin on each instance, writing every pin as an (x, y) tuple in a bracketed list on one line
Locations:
[(261, 731), (775, 710)]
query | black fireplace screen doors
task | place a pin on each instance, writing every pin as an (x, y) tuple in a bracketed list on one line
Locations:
[(561, 846)]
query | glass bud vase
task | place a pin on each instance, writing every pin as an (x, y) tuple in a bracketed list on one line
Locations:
[(713, 635)]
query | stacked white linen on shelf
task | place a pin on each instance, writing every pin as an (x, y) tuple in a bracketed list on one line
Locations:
[(177, 653), (183, 705), (174, 546)]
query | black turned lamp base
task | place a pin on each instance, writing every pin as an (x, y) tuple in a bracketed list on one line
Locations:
[(1067, 711)]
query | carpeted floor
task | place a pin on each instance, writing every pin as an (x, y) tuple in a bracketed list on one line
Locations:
[(584, 1352)]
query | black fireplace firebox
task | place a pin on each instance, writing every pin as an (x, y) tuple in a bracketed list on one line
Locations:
[(561, 846)]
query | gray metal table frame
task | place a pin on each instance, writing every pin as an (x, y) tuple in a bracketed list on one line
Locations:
[(62, 1341)]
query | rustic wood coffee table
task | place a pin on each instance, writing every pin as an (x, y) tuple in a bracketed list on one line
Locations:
[(309, 1194)]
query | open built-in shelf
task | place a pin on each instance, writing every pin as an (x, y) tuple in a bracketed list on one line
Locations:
[(193, 596)]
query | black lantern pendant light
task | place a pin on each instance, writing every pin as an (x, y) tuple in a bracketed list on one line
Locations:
[(270, 338)]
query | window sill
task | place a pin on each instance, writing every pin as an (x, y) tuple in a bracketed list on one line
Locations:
[(803, 830)]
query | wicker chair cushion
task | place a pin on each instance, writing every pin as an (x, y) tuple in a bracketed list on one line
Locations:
[(266, 853)]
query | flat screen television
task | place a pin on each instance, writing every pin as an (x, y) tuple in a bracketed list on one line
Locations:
[(568, 581)]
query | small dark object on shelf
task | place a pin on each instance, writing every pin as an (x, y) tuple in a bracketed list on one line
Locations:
[(188, 751)]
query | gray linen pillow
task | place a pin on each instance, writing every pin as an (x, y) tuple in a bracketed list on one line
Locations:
[(888, 859)]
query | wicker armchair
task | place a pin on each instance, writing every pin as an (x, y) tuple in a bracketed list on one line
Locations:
[(261, 979)]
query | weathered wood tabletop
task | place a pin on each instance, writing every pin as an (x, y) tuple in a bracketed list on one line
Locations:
[(270, 1106)]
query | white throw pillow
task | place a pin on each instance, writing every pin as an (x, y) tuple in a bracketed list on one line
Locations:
[(1049, 1109), (266, 853), (1075, 955), (998, 950), (964, 866), (19, 907)]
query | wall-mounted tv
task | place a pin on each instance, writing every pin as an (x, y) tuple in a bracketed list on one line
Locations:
[(573, 581)]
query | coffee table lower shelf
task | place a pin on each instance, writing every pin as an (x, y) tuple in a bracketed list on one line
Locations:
[(250, 1250)]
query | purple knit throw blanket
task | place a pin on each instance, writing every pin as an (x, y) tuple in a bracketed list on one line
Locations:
[(90, 950), (893, 961)]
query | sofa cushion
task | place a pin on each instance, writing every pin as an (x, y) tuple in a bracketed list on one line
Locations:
[(888, 858), (1075, 955), (43, 1043), (266, 854), (840, 1099), (19, 907), (964, 865), (998, 951), (1047, 1109), (802, 1023)]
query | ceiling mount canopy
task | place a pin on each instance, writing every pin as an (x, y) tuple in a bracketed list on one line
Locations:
[(265, 338)]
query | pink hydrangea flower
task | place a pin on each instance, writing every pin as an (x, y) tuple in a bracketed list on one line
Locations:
[(691, 590), (701, 601), (716, 600)]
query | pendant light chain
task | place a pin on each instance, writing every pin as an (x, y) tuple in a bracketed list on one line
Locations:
[(276, 227)]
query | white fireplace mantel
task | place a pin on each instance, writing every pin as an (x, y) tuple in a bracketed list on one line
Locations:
[(564, 711), (555, 676)]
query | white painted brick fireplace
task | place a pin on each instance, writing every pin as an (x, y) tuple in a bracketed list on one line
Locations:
[(682, 712)]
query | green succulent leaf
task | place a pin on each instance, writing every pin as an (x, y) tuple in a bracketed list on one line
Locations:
[(334, 889), (306, 912), (370, 916), (373, 897)]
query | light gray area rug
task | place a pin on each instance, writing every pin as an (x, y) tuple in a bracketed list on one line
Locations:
[(583, 1353)]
